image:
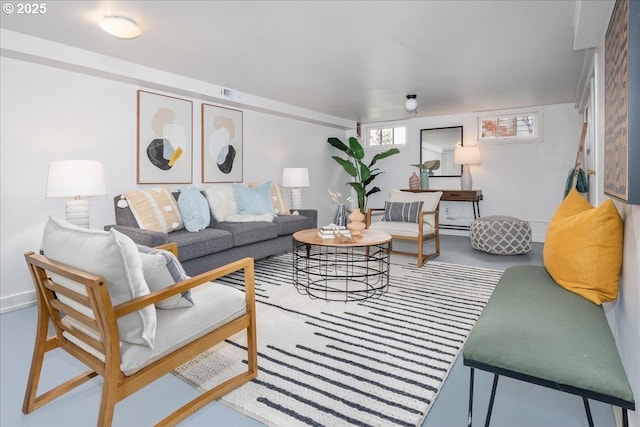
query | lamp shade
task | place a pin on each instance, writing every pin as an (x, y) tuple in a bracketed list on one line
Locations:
[(75, 178), (466, 155), (120, 27), (295, 177)]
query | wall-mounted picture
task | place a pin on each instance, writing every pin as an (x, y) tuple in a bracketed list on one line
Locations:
[(221, 144), (164, 139)]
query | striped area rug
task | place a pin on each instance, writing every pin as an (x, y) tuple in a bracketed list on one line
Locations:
[(371, 363)]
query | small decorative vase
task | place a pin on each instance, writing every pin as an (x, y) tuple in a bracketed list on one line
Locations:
[(414, 182), (340, 218), (356, 223), (424, 179)]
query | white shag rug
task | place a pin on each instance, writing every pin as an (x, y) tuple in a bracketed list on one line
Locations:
[(371, 363)]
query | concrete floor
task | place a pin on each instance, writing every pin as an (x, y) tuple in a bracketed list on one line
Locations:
[(517, 404)]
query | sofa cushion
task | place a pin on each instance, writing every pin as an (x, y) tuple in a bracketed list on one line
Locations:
[(194, 209), (289, 224), (245, 233), (205, 242), (113, 256), (155, 209)]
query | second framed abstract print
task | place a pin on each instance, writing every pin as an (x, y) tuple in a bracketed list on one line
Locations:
[(221, 144)]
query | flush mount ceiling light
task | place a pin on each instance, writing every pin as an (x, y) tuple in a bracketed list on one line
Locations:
[(412, 103), (121, 27)]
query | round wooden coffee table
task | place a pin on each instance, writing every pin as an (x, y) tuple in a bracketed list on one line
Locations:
[(335, 271)]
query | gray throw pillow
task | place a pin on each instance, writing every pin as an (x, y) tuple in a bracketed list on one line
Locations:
[(402, 211), (161, 269)]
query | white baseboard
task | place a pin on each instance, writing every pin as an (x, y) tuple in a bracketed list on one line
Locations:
[(17, 301)]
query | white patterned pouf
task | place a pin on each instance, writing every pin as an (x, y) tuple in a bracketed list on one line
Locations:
[(501, 235)]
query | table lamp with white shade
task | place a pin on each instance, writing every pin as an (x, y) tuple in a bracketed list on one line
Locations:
[(465, 156), (75, 179), (295, 178)]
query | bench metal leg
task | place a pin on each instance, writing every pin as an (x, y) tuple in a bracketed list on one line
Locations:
[(470, 398), (625, 418), (491, 400), (588, 411)]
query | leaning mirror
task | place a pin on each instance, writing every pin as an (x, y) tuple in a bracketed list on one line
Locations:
[(440, 144)]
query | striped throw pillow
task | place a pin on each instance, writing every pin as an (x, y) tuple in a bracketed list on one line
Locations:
[(155, 209), (402, 211)]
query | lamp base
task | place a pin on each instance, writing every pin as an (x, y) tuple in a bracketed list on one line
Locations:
[(296, 198), (465, 181), (78, 212)]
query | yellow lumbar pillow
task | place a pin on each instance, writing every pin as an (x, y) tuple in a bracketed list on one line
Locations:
[(583, 248)]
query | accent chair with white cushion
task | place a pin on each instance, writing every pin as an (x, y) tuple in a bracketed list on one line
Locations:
[(130, 316), (409, 216)]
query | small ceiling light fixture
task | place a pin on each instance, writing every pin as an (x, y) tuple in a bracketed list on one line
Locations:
[(412, 103), (120, 27)]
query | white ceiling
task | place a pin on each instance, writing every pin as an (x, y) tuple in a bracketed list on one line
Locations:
[(352, 59)]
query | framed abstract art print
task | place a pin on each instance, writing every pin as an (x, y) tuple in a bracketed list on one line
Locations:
[(221, 144), (164, 149)]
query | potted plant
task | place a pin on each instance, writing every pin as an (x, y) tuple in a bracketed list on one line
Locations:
[(361, 173)]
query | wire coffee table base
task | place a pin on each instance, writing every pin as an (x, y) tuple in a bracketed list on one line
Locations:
[(335, 272)]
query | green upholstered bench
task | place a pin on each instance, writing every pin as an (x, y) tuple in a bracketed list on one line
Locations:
[(536, 331)]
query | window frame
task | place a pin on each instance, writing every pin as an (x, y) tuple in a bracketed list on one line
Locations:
[(538, 125), (386, 125)]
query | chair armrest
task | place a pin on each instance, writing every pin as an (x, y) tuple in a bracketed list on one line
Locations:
[(370, 213), (311, 213), (245, 264), (142, 237)]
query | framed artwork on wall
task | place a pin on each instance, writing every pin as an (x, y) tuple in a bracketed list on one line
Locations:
[(622, 103), (165, 138), (221, 144)]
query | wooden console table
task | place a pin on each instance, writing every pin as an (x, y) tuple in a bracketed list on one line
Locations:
[(473, 196)]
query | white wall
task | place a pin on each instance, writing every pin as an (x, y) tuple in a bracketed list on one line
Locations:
[(524, 180), (52, 114)]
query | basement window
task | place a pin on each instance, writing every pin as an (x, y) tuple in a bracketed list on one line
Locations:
[(386, 135), (522, 125)]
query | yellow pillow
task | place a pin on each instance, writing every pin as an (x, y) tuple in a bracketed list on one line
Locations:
[(583, 248)]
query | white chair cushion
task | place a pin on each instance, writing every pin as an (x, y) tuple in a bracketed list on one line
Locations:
[(109, 254), (217, 305), (430, 199), (406, 229)]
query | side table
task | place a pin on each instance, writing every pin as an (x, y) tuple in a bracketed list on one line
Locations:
[(472, 196)]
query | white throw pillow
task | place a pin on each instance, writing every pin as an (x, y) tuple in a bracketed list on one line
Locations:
[(161, 269), (113, 256), (222, 201)]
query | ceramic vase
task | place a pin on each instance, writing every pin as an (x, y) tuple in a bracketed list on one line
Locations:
[(340, 218), (424, 179), (356, 223), (414, 182)]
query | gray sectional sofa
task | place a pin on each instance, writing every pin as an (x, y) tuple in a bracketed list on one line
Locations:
[(221, 242)]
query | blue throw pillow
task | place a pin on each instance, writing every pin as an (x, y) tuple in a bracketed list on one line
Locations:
[(402, 211), (194, 209), (254, 201), (161, 269)]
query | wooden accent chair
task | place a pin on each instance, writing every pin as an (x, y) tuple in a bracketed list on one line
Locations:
[(86, 326), (423, 227)]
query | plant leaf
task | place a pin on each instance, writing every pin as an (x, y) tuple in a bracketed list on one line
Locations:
[(356, 148), (336, 143), (372, 191), (383, 155), (347, 165)]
